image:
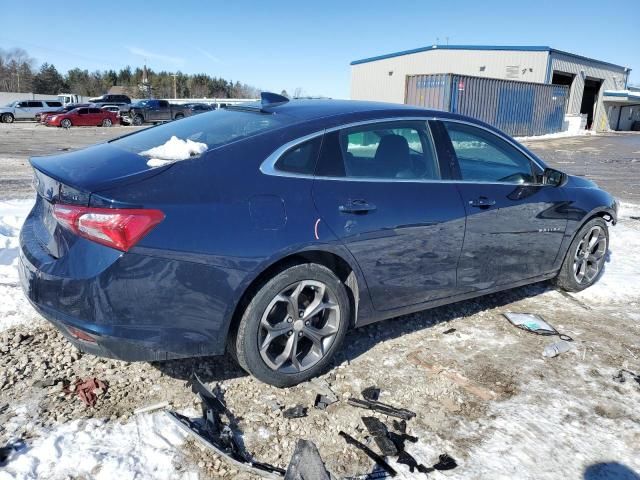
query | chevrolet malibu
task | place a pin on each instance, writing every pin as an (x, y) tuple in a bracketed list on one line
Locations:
[(270, 229)]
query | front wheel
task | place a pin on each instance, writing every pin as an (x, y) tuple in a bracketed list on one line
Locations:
[(7, 118), (293, 325), (179, 116), (65, 123), (585, 259), (138, 120)]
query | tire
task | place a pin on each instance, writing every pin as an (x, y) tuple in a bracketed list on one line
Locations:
[(179, 116), (7, 118), (107, 122), (66, 123), (271, 322), (582, 266), (138, 120)]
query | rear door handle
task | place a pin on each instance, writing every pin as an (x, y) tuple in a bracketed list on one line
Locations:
[(357, 207), (482, 202)]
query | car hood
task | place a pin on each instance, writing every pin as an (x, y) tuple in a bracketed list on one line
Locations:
[(575, 181), (6, 109)]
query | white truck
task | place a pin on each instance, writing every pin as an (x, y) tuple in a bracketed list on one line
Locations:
[(69, 98)]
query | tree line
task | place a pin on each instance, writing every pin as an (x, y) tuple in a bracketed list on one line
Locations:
[(19, 73)]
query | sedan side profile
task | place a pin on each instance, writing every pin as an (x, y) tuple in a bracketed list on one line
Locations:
[(83, 117), (286, 223)]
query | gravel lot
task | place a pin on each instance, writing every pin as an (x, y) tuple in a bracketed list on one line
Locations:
[(483, 393)]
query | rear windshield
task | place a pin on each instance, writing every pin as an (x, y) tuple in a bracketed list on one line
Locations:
[(214, 129)]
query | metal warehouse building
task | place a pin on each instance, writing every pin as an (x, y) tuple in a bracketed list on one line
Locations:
[(384, 78)]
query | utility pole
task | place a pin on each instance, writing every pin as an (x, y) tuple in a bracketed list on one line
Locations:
[(175, 91)]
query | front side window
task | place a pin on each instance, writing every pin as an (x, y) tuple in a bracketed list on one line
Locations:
[(35, 104), (485, 157), (395, 150)]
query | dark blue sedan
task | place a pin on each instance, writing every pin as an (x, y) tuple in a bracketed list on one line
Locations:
[(272, 228)]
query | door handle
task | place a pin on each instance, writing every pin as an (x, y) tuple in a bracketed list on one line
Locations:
[(482, 202), (357, 207)]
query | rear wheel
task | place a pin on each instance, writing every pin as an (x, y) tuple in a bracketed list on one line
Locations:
[(293, 325), (106, 122), (586, 256), (65, 123), (7, 118)]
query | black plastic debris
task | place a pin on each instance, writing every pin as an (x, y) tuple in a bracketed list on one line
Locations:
[(322, 402), (218, 436), (8, 449), (620, 377), (295, 412), (369, 453), (306, 463), (447, 332), (380, 434), (400, 426), (445, 462), (390, 410), (371, 393)]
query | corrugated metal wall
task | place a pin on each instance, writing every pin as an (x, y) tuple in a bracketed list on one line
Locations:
[(613, 78), (384, 80), (517, 108)]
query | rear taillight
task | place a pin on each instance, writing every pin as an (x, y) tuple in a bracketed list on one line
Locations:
[(119, 228)]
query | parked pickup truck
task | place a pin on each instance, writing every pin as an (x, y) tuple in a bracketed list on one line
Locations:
[(156, 111)]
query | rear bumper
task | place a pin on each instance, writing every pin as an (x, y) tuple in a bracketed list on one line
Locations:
[(137, 307)]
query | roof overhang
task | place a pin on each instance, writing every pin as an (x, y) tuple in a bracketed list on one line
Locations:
[(625, 97), (511, 48)]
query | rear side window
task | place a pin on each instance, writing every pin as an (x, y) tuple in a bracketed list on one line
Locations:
[(300, 159), (485, 157), (35, 104), (394, 150), (219, 128)]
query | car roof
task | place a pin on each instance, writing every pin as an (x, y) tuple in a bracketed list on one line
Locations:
[(305, 110)]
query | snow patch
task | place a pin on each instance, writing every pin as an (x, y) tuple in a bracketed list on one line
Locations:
[(14, 307), (174, 150), (551, 136), (620, 279), (145, 447)]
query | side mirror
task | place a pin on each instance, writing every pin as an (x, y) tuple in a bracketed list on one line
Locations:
[(553, 177)]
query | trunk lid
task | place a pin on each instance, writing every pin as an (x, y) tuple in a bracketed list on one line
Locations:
[(71, 178)]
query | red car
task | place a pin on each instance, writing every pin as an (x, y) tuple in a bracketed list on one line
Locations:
[(42, 116), (83, 117)]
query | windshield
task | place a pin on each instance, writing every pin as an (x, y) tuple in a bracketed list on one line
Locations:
[(11, 104), (214, 129)]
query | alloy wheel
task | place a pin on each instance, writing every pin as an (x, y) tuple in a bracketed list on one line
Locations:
[(589, 256), (299, 326), (106, 122)]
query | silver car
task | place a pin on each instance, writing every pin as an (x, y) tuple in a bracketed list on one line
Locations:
[(26, 109)]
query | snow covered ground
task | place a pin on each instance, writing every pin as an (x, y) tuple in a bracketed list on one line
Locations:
[(14, 308), (143, 448), (556, 417)]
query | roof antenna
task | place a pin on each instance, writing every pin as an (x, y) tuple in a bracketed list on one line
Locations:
[(269, 99)]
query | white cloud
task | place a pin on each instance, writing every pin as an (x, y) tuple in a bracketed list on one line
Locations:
[(210, 56), (141, 52)]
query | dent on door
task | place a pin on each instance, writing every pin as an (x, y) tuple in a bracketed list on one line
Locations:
[(515, 236)]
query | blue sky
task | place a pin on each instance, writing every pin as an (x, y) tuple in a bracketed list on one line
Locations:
[(277, 45)]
